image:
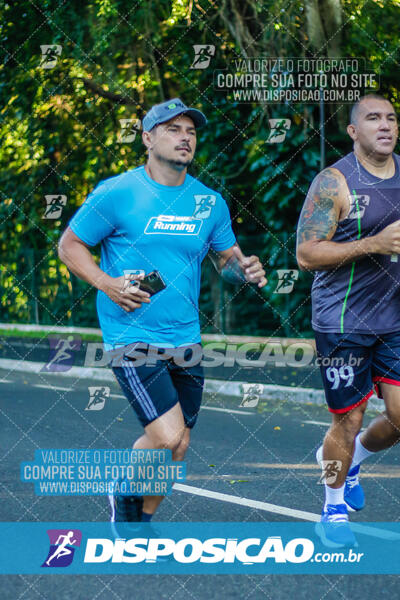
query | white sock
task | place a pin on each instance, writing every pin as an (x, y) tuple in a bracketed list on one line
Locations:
[(360, 453), (334, 496)]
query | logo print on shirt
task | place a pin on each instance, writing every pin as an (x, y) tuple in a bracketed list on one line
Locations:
[(362, 201), (204, 204), (173, 225)]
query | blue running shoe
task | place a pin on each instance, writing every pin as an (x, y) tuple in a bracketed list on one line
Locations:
[(124, 509), (353, 492), (334, 528)]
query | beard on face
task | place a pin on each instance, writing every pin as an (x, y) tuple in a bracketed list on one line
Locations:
[(178, 165)]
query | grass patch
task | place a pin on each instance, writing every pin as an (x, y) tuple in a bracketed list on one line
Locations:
[(17, 333)]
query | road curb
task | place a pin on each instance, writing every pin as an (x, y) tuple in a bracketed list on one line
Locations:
[(206, 337), (228, 389)]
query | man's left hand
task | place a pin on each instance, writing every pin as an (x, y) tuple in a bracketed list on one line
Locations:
[(251, 266)]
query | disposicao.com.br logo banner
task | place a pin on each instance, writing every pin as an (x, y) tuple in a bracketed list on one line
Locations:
[(198, 548)]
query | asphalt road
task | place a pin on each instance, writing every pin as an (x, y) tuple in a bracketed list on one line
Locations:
[(265, 454)]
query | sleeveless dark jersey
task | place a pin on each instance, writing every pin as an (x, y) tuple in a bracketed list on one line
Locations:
[(363, 296)]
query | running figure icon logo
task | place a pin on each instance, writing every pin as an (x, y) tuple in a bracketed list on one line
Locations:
[(279, 129), (62, 353), (251, 394), (98, 396), (204, 204), (54, 206), (358, 204), (63, 543), (286, 277), (129, 129), (50, 54), (130, 278), (330, 471), (202, 55)]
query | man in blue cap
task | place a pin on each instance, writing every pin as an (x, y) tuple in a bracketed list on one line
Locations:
[(156, 218)]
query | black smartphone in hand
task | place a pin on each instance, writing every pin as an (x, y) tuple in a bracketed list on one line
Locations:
[(152, 283)]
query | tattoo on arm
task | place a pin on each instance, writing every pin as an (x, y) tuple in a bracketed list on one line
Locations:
[(319, 216)]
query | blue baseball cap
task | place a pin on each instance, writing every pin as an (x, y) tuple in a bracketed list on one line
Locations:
[(160, 113)]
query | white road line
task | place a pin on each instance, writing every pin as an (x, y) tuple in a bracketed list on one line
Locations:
[(228, 410), (274, 508), (322, 423), (52, 387), (303, 466), (6, 381), (281, 510)]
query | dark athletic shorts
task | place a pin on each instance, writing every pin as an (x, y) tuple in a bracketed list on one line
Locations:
[(352, 364), (153, 389)]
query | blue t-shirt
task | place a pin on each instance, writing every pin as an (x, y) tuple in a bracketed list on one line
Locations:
[(143, 225)]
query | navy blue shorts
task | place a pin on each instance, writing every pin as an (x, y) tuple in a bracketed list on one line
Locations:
[(352, 364), (153, 389)]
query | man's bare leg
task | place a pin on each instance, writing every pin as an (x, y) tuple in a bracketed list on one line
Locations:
[(384, 431), (338, 447), (166, 432), (339, 443)]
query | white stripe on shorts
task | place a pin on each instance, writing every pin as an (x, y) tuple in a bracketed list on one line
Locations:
[(141, 393)]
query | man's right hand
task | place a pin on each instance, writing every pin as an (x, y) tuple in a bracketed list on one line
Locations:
[(388, 240), (129, 298)]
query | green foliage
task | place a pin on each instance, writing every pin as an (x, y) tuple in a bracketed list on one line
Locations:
[(60, 131)]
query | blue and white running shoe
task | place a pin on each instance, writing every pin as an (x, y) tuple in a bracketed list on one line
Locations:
[(334, 528), (353, 492)]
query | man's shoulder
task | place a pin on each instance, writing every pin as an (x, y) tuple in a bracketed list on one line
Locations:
[(122, 179), (200, 187), (338, 169), (346, 161)]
